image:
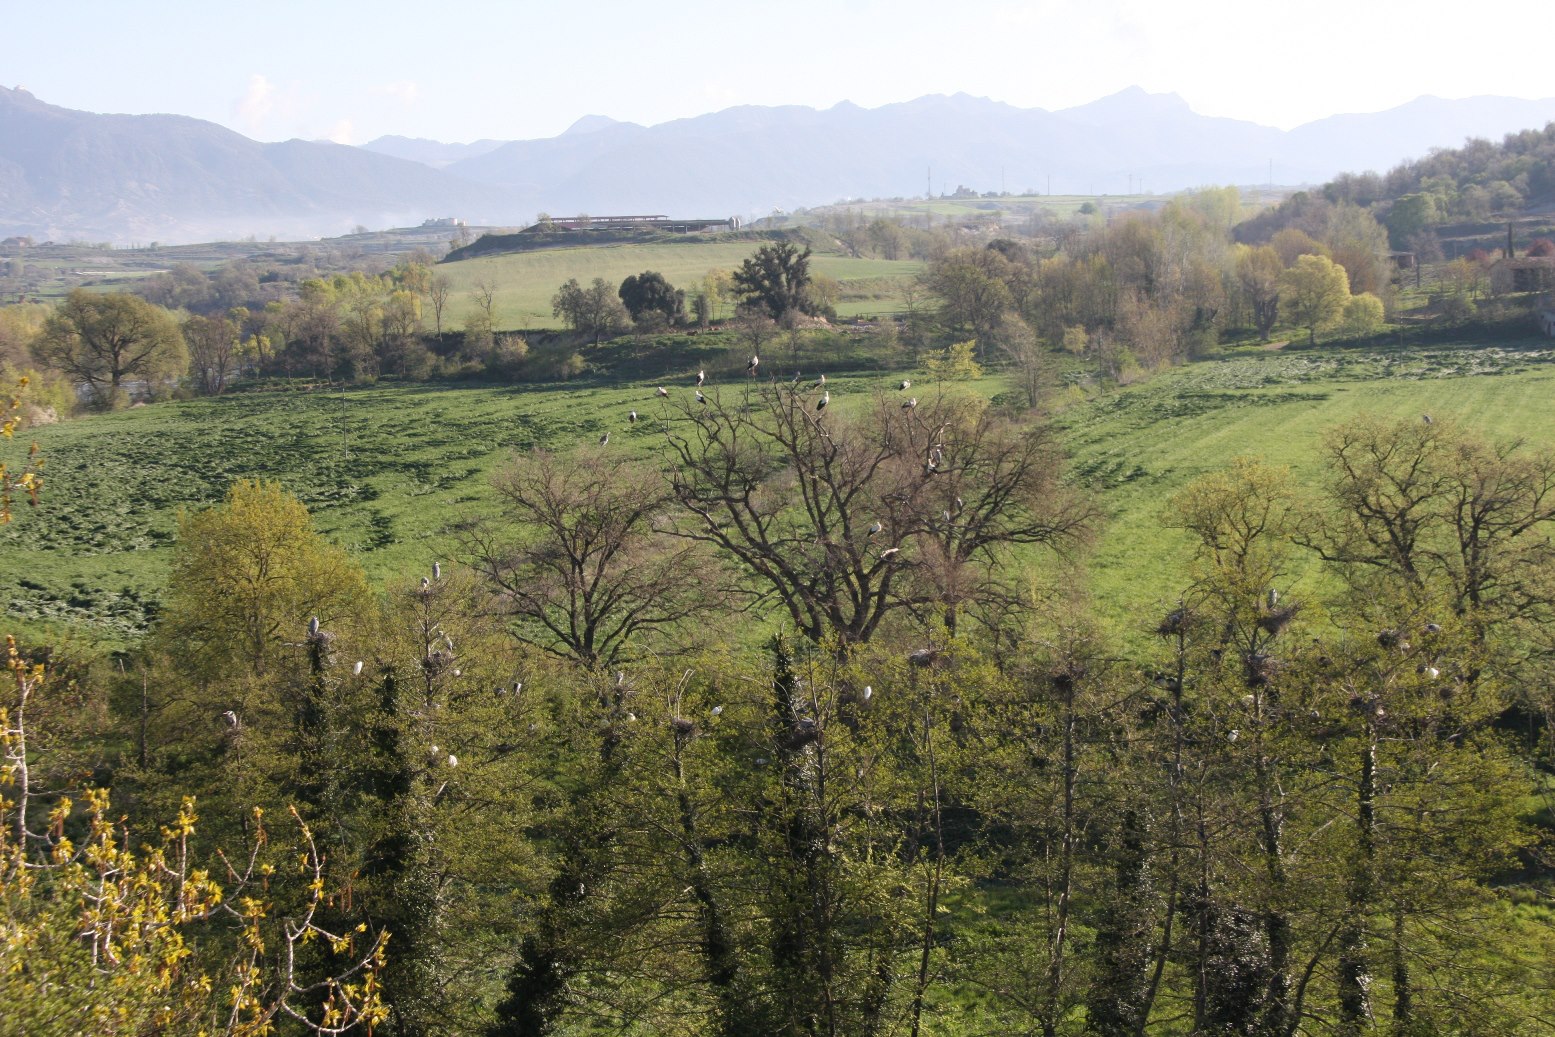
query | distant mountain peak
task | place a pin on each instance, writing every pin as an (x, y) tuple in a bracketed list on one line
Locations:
[(592, 124), (1128, 104)]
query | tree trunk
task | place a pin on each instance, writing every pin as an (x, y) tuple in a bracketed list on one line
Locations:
[(720, 961), (931, 898), (1353, 978)]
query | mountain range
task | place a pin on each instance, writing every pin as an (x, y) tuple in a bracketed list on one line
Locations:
[(73, 174)]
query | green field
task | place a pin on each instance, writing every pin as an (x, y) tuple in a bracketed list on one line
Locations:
[(1136, 447), (386, 470), (526, 281)]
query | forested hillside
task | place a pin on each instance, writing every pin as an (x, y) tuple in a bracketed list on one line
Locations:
[(1479, 182)]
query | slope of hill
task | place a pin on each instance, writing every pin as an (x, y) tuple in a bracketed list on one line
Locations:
[(66, 173), (1452, 200)]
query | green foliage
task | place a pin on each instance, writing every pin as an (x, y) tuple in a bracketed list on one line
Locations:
[(650, 292), (19, 325), (972, 286), (100, 935), (1075, 340), (595, 311), (106, 340), (1014, 825), (1474, 182), (25, 479), (777, 280), (1363, 315), (1409, 216), (246, 575), (955, 363), (1313, 294)]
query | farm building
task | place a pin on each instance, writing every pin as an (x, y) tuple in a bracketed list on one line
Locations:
[(658, 223), (1523, 274)]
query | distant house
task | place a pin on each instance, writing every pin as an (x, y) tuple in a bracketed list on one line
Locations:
[(1523, 274), (445, 221)]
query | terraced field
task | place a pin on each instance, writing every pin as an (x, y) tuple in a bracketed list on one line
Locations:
[(386, 470)]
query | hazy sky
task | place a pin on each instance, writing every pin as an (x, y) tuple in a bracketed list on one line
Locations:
[(458, 70)]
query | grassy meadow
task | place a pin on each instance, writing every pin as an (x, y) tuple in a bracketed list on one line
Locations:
[(527, 280), (385, 470), (1135, 447)]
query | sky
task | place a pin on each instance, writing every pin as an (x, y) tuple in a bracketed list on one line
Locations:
[(461, 70)]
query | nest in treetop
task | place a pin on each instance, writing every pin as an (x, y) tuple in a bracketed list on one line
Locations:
[(1174, 623), (1393, 639), (1064, 679), (801, 733), (1275, 620), (1257, 669)]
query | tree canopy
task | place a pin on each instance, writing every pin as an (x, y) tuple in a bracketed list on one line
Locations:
[(648, 292), (105, 340), (776, 280), (595, 311), (246, 576), (1313, 293)]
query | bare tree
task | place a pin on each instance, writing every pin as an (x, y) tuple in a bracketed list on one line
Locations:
[(213, 348), (1029, 358), (848, 521), (1426, 504), (438, 288), (578, 564), (485, 294)]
